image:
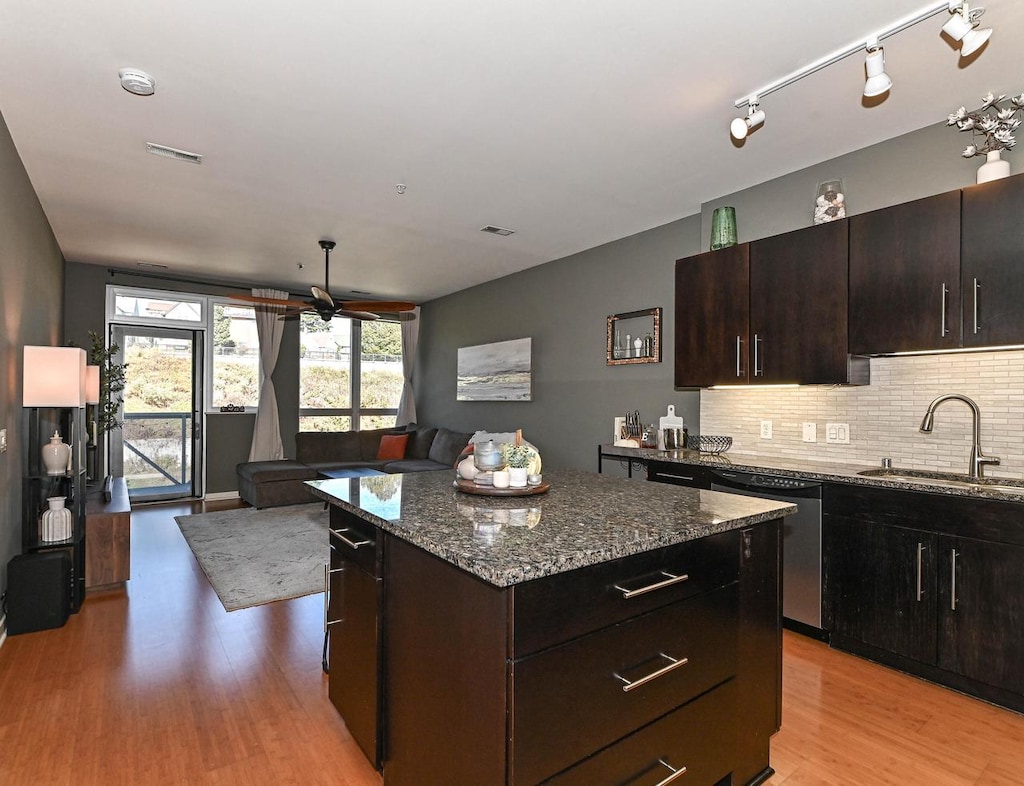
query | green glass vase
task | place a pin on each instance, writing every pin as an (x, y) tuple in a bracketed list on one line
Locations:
[(723, 228)]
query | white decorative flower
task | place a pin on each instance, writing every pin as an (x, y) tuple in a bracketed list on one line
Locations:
[(987, 123), (966, 124), (1018, 101), (970, 151), (1004, 137), (989, 100), (1006, 114), (959, 115), (991, 126)]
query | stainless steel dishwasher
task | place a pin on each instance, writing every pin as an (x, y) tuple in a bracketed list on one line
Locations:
[(801, 539)]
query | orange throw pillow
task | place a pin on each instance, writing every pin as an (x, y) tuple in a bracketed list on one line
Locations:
[(392, 447)]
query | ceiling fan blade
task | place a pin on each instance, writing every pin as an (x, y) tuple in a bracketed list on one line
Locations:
[(268, 300), (387, 306), (323, 296), (366, 316)]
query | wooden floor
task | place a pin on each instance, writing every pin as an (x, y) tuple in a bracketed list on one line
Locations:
[(158, 684)]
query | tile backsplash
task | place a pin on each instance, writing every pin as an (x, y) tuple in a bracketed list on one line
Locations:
[(884, 417)]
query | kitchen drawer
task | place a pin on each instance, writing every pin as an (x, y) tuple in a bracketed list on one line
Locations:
[(699, 737), (571, 701), (553, 610), (690, 475), (357, 540)]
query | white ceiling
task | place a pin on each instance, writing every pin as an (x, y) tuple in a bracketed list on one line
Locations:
[(573, 122)]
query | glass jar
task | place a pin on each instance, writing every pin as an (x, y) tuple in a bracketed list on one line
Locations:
[(723, 228), (830, 202)]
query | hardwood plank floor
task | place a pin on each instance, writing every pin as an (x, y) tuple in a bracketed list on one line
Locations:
[(157, 684)]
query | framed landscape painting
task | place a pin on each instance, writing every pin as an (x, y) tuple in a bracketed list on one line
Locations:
[(495, 372)]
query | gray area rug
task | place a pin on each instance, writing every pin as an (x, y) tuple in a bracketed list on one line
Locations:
[(259, 556)]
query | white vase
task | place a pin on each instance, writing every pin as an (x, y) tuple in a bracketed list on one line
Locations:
[(55, 524), (517, 477), (56, 455), (994, 167)]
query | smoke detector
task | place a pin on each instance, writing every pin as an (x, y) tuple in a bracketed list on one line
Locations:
[(137, 82), (497, 230)]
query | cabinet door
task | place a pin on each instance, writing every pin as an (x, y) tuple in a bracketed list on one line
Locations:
[(905, 277), (981, 608), (883, 586), (712, 299), (353, 685), (993, 279), (798, 306)]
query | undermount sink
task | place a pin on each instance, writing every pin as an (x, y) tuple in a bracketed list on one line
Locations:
[(927, 478)]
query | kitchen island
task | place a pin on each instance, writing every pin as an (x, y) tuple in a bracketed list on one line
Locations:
[(599, 633)]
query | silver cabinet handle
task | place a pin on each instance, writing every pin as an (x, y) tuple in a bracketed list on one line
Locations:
[(920, 550), (758, 365), (670, 475), (671, 578), (739, 350), (327, 594), (676, 773), (350, 543), (977, 286), (952, 581), (945, 292), (674, 664)]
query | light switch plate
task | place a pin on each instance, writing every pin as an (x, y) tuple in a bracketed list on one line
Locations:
[(3, 440), (810, 432), (766, 429), (837, 433)]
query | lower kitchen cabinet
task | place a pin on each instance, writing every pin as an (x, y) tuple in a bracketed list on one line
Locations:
[(929, 583)]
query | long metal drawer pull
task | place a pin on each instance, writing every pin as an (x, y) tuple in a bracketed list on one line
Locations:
[(758, 364), (670, 475), (945, 292), (952, 585), (977, 286), (350, 543), (739, 368), (668, 582), (675, 664), (327, 594), (920, 549), (676, 773)]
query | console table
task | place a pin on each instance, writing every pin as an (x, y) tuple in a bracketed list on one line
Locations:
[(108, 538)]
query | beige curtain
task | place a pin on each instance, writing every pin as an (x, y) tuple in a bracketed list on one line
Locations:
[(410, 338), (266, 435)]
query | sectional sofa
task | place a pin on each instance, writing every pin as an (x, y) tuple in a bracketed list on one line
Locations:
[(265, 484)]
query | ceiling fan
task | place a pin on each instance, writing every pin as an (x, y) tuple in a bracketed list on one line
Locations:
[(327, 307)]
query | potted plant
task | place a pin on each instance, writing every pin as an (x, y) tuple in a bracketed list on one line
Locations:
[(518, 458), (992, 128), (105, 413)]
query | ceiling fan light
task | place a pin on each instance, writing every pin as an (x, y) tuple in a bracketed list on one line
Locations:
[(878, 82)]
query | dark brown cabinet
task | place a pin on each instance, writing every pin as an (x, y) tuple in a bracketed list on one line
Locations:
[(905, 277), (992, 251), (930, 583), (768, 312)]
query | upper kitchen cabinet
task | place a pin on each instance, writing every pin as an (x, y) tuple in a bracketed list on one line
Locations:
[(712, 318), (798, 306), (768, 312), (905, 277), (992, 252)]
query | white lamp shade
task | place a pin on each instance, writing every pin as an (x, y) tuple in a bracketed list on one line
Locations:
[(878, 82), (53, 377), (974, 41), (92, 384)]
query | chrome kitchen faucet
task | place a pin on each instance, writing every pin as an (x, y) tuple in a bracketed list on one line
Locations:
[(978, 460)]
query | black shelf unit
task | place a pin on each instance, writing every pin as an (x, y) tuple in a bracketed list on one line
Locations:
[(37, 486)]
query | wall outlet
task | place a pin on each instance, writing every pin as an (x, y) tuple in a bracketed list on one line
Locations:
[(766, 429), (837, 433), (3, 440), (810, 432)]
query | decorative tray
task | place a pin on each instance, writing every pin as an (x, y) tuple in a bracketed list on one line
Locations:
[(469, 487)]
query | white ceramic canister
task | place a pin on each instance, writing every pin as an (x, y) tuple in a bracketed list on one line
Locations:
[(55, 524), (56, 455)]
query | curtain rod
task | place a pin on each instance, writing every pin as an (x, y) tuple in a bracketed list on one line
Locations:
[(182, 280)]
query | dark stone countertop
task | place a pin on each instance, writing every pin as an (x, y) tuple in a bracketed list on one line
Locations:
[(584, 519), (826, 472)]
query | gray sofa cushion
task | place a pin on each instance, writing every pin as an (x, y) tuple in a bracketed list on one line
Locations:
[(447, 446), (321, 465), (264, 471), (413, 465), (314, 446), (420, 440)]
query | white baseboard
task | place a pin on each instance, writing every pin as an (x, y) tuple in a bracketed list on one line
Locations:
[(218, 495)]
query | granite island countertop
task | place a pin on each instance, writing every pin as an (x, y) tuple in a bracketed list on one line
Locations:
[(823, 471), (584, 519)]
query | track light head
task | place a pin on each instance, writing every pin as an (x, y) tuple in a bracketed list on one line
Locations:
[(741, 126), (963, 27), (878, 82)]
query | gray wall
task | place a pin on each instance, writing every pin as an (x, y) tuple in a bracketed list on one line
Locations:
[(228, 436), (563, 304), (563, 307), (31, 294)]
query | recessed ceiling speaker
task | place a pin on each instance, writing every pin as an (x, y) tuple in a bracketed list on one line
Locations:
[(137, 82)]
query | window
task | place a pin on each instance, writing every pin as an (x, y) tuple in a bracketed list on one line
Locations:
[(235, 366), (147, 307), (339, 388)]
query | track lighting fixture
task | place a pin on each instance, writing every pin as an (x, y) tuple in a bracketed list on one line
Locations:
[(742, 126), (961, 27), (878, 82)]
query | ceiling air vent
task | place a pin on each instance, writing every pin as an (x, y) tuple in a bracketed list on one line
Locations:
[(497, 230), (170, 152)]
